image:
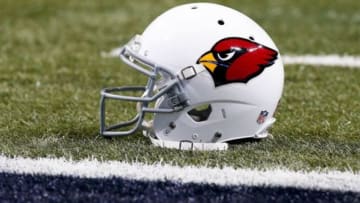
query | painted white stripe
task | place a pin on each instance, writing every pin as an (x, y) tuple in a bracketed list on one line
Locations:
[(323, 60), (318, 60), (331, 180)]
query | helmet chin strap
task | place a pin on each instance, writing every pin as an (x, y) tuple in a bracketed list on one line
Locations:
[(262, 132), (189, 145), (181, 145)]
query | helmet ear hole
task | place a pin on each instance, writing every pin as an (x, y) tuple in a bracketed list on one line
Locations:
[(200, 113)]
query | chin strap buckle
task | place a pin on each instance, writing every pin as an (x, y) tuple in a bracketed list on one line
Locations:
[(188, 72), (177, 100), (186, 147), (191, 71)]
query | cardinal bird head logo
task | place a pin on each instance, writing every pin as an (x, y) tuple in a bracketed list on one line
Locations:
[(237, 60)]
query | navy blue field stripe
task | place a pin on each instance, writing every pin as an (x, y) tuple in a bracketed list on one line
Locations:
[(39, 188)]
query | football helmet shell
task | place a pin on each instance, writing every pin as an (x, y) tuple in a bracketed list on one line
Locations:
[(214, 76)]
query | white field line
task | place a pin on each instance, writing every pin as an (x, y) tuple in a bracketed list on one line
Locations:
[(317, 60), (330, 180), (323, 60)]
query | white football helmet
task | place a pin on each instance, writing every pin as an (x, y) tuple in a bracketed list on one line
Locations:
[(214, 76)]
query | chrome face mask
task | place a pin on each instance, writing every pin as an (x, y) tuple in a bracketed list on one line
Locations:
[(161, 83)]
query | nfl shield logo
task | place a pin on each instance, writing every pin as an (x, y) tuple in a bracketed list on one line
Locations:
[(262, 117)]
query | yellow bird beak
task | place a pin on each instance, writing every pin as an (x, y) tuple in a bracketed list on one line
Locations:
[(208, 61)]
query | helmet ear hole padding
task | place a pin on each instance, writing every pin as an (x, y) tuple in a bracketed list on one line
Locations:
[(200, 113)]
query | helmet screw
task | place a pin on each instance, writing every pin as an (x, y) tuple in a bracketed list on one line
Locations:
[(221, 22), (195, 136), (218, 135), (172, 125)]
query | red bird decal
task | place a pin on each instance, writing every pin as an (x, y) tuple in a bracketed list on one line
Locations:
[(237, 60)]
